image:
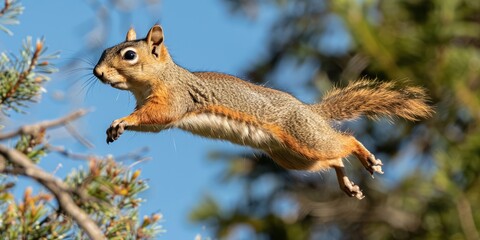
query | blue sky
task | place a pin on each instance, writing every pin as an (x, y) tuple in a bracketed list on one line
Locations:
[(201, 35)]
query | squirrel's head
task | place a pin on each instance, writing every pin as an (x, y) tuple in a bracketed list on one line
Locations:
[(131, 64)]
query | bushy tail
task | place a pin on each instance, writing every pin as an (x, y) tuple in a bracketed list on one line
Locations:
[(374, 99)]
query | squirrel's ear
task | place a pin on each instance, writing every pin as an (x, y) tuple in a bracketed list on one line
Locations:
[(155, 39), (131, 35)]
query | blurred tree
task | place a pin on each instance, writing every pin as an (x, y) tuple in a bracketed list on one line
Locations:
[(91, 204), (431, 188)]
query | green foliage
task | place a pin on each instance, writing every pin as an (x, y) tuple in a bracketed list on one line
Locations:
[(115, 190), (22, 77), (29, 218), (430, 188), (32, 146), (113, 202), (9, 15)]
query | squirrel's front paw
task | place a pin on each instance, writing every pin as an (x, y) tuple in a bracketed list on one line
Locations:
[(115, 130)]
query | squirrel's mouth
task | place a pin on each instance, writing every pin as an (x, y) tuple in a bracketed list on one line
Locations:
[(118, 85), (114, 84)]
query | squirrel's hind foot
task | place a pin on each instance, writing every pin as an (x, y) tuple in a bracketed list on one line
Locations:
[(368, 160), (373, 165), (347, 185)]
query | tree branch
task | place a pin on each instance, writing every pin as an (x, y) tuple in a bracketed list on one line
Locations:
[(82, 140), (68, 154), (5, 8), (23, 76), (36, 128), (54, 185), (467, 221)]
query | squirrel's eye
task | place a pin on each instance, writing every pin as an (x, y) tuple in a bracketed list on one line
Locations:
[(129, 55)]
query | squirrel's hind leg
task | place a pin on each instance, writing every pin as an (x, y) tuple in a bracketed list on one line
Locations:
[(368, 160), (346, 184)]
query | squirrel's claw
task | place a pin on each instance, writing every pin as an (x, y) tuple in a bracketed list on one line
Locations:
[(373, 165), (351, 189), (115, 130), (356, 191)]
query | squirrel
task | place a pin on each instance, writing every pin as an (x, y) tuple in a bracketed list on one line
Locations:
[(294, 134)]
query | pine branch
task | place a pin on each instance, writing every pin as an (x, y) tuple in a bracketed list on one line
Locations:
[(25, 167), (23, 76)]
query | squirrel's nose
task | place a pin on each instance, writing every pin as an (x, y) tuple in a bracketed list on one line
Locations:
[(97, 72)]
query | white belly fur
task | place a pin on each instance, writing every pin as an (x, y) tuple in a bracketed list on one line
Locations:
[(219, 127)]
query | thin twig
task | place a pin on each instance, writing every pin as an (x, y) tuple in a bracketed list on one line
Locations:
[(138, 161), (36, 128), (68, 154), (57, 187), (135, 155), (5, 8), (467, 222), (82, 140)]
